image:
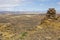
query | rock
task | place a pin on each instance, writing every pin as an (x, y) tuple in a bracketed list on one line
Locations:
[(51, 13)]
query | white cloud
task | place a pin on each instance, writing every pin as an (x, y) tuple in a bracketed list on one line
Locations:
[(44, 0), (9, 1), (58, 3), (41, 4), (6, 9), (9, 4)]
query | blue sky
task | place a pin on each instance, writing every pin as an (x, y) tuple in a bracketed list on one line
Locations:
[(29, 5)]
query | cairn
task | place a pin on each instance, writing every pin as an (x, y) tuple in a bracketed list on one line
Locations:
[(50, 16), (51, 13)]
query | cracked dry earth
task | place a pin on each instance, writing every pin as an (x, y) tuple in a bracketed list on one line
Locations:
[(28, 27)]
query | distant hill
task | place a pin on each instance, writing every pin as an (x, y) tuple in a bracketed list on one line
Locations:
[(24, 12), (19, 12)]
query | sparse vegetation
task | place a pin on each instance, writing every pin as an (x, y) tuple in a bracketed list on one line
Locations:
[(23, 35), (29, 27)]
